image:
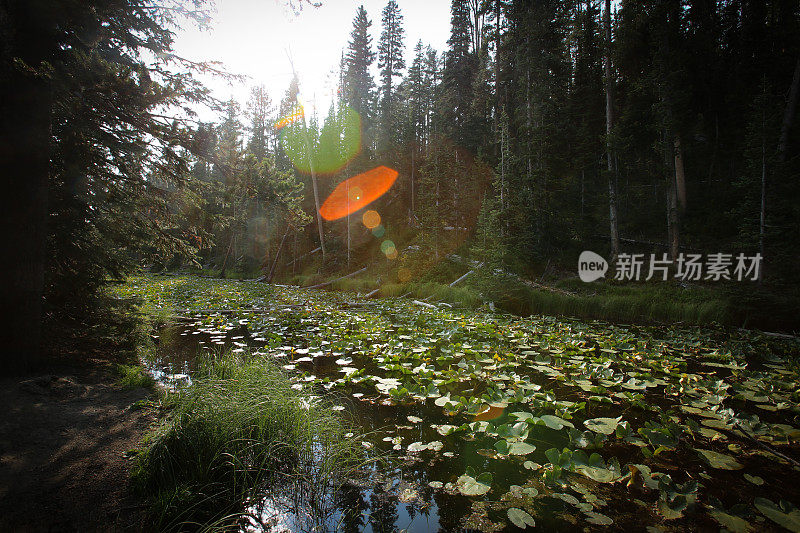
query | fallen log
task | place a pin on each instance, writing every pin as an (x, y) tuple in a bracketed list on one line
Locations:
[(315, 250), (423, 304), (462, 278)]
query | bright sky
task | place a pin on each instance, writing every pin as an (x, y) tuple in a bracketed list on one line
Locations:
[(255, 38)]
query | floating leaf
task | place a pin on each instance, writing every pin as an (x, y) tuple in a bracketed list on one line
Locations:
[(555, 422), (416, 447), (719, 460), (784, 514), (505, 447), (731, 522), (755, 480), (520, 518), (474, 486), (606, 426), (598, 519)]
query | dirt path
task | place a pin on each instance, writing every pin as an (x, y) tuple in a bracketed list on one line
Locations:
[(63, 441)]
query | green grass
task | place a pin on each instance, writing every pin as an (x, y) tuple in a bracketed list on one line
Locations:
[(648, 304), (240, 430), (134, 377)]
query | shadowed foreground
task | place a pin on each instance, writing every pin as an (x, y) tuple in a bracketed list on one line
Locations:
[(63, 444)]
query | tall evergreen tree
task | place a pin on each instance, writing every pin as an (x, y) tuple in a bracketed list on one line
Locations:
[(391, 63), (358, 87), (260, 115)]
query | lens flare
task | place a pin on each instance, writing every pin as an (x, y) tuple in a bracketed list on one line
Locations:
[(389, 249), (379, 231), (372, 184), (298, 114), (371, 219), (327, 151), (354, 193), (403, 275)]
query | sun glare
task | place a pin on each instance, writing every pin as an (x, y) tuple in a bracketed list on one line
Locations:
[(373, 184)]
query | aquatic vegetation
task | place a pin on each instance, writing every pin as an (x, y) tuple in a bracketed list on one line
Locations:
[(237, 432), (559, 419)]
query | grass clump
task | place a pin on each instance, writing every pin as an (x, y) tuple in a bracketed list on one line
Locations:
[(134, 377), (239, 431)]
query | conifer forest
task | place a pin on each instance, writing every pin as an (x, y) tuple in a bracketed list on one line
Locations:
[(457, 265)]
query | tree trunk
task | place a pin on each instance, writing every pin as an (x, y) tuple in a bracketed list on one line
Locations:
[(762, 222), (680, 176), (316, 194), (673, 233), (25, 107), (612, 185), (277, 256), (788, 114)]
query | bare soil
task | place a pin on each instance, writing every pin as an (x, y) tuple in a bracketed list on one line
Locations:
[(64, 443)]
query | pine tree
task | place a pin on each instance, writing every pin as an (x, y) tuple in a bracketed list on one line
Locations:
[(391, 63), (358, 87), (460, 66), (260, 114)]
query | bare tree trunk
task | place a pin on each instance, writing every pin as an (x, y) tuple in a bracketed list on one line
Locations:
[(347, 187), (788, 114), (316, 198), (673, 234), (413, 192), (277, 255), (762, 223), (612, 185), (680, 176), (227, 254)]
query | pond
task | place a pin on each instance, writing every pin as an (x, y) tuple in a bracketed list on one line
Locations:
[(490, 422)]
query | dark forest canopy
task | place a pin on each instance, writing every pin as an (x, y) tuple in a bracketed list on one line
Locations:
[(544, 129)]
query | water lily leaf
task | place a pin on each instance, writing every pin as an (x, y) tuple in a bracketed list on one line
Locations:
[(649, 479), (729, 521), (414, 419), (520, 518), (784, 514), (471, 486), (568, 498), (755, 480), (598, 519), (416, 447), (530, 465), (505, 447), (606, 426), (435, 445), (672, 510), (719, 460), (554, 422)]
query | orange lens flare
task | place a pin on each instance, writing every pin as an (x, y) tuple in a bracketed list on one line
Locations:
[(294, 117), (371, 219), (370, 186)]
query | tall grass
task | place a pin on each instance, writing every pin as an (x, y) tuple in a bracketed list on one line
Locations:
[(635, 306), (240, 430)]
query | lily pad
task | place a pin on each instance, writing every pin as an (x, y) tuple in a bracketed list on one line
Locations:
[(719, 460), (755, 480), (783, 513), (471, 485), (606, 426), (520, 518), (505, 447)]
